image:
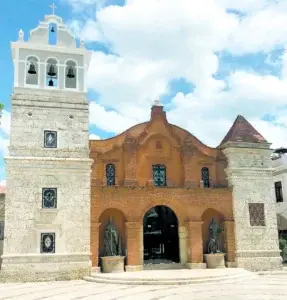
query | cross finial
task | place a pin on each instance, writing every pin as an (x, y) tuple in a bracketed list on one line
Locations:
[(53, 6)]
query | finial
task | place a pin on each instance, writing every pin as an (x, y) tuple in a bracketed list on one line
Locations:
[(53, 8), (21, 35), (156, 102)]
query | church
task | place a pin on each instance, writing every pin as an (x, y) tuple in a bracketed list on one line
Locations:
[(159, 184)]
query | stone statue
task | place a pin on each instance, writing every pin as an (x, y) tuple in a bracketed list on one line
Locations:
[(112, 241), (213, 241)]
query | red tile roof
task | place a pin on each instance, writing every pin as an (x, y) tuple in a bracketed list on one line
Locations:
[(243, 131), (2, 189)]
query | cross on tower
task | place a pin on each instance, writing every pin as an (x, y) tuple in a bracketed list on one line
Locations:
[(53, 8)]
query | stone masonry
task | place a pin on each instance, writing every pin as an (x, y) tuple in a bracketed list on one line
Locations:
[(250, 175)]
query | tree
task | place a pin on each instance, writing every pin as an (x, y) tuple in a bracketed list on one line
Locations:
[(1, 107)]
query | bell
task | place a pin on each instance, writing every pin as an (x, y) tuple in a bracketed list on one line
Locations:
[(51, 82), (32, 69), (52, 72), (52, 29), (71, 73)]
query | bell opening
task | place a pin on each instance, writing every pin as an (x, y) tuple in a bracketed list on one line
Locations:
[(52, 72), (32, 69), (71, 73), (51, 82)]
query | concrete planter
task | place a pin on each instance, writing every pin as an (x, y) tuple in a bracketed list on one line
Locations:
[(215, 261), (112, 264)]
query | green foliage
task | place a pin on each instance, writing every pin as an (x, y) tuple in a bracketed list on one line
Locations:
[(283, 248), (1, 107)]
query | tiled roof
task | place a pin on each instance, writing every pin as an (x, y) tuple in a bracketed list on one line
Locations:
[(2, 189), (243, 131)]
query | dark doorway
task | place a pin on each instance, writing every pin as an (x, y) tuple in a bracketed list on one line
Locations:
[(161, 244)]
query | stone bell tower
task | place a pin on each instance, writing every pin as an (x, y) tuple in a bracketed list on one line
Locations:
[(47, 211)]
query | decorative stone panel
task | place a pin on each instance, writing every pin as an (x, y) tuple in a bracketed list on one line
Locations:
[(256, 214)]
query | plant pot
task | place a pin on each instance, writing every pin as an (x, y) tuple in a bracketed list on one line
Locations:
[(112, 264), (215, 260)]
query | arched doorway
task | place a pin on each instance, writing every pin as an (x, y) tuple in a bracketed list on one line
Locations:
[(160, 234)]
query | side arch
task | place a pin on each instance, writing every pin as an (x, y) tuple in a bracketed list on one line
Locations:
[(206, 218), (118, 218)]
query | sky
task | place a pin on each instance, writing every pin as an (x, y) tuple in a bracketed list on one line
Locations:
[(207, 61)]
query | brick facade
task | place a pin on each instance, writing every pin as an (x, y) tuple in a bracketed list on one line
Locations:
[(133, 153)]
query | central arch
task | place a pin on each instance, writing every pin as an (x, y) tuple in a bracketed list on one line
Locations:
[(160, 236)]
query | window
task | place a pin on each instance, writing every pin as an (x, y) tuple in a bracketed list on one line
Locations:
[(52, 73), (278, 191), (158, 145), (50, 139), (32, 71), (205, 177), (256, 214), (111, 174), (71, 75), (49, 198), (47, 242), (53, 30), (159, 175)]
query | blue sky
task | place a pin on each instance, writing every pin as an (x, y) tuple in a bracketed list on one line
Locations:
[(207, 61)]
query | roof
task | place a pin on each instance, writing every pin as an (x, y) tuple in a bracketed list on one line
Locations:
[(243, 131), (2, 189)]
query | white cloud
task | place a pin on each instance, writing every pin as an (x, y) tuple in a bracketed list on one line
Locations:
[(94, 137), (5, 122), (3, 183)]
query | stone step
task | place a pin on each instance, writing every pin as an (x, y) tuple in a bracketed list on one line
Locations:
[(164, 266), (172, 277)]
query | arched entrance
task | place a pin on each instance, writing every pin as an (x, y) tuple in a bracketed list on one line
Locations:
[(160, 234)]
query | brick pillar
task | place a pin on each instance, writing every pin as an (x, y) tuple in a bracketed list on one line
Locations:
[(131, 164), (229, 241), (134, 246), (188, 168), (194, 244), (95, 245)]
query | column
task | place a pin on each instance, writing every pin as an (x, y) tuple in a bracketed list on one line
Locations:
[(95, 238), (182, 244), (194, 244), (229, 241), (134, 246)]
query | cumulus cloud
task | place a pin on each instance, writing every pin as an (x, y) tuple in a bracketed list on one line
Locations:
[(153, 42), (94, 137), (3, 183)]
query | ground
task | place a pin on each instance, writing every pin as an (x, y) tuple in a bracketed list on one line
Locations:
[(271, 287)]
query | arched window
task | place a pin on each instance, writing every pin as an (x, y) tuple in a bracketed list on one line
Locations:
[(159, 175), (71, 75), (205, 177), (53, 31), (32, 71), (111, 174), (52, 73)]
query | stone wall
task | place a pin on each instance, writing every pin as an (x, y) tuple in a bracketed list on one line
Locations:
[(30, 168), (2, 219), (250, 175)]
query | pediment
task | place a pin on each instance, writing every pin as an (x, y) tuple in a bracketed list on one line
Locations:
[(159, 128)]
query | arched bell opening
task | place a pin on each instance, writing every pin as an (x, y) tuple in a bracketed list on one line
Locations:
[(32, 71), (52, 71), (53, 32), (71, 75), (160, 234), (117, 218), (207, 217)]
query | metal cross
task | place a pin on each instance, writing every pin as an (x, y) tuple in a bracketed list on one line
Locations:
[(53, 7)]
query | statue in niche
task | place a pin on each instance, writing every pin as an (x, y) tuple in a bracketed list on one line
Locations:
[(112, 241), (213, 240)]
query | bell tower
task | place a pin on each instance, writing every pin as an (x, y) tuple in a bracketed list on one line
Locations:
[(47, 211)]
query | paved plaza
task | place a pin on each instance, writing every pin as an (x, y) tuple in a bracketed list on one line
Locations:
[(265, 287)]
